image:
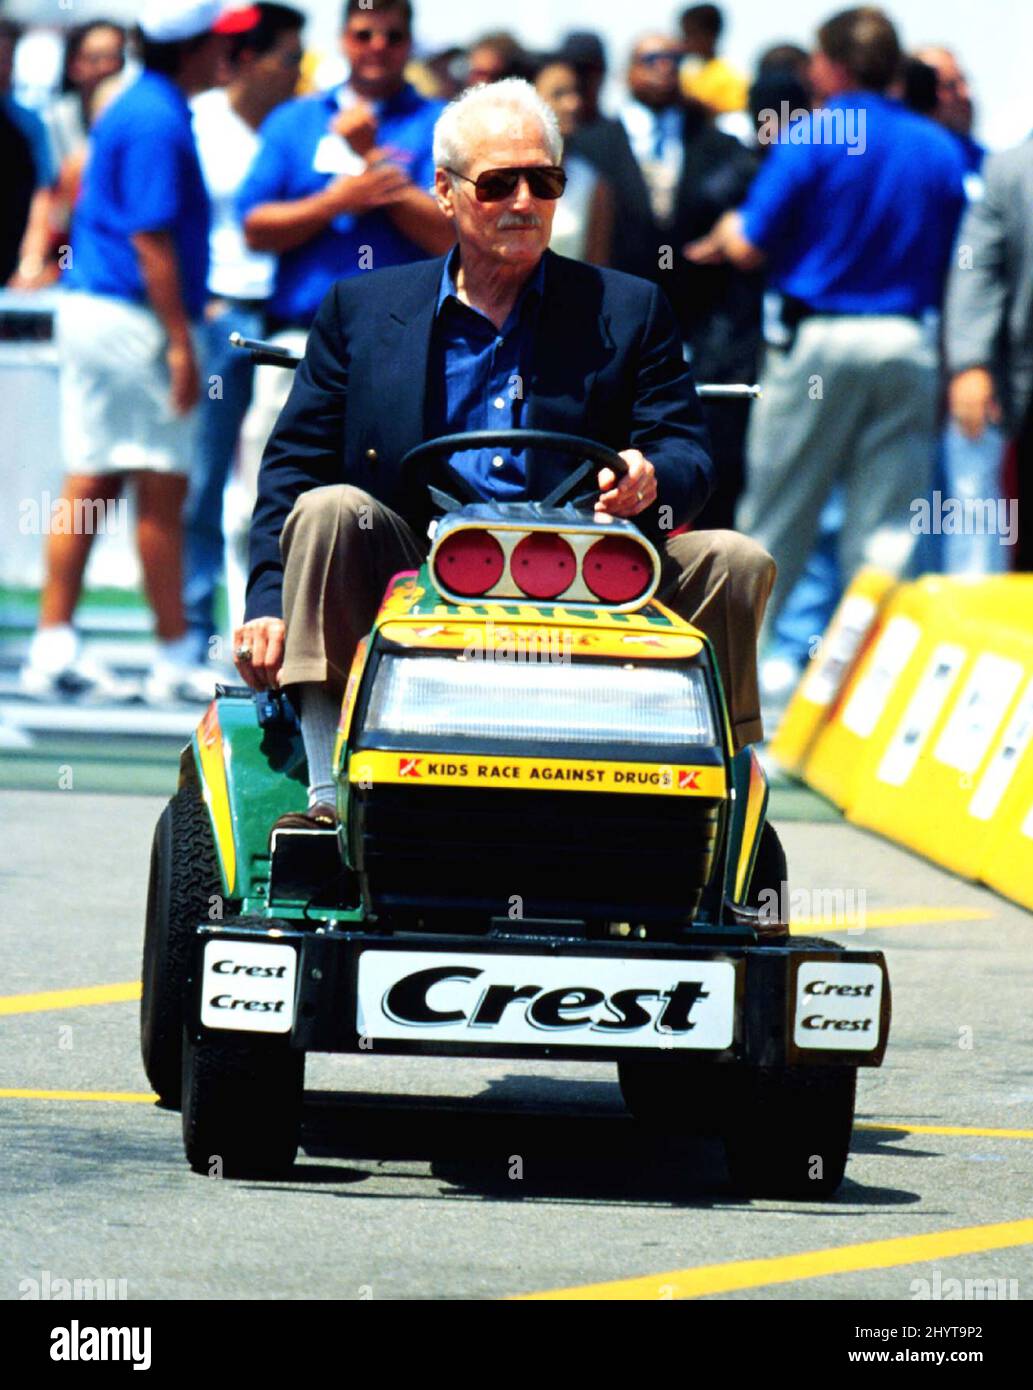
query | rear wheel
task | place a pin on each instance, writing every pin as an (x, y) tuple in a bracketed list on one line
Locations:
[(184, 880), (789, 1132), (676, 1094), (241, 1106)]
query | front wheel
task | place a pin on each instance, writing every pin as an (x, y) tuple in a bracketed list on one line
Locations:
[(241, 1106), (789, 1132), (184, 883)]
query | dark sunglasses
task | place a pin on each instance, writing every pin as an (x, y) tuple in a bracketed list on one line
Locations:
[(544, 181), (394, 37), (653, 60)]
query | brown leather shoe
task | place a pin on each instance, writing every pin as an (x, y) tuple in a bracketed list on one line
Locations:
[(320, 817)]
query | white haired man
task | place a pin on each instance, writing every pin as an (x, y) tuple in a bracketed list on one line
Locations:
[(405, 354)]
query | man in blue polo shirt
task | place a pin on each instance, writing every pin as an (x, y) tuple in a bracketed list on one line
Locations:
[(126, 334), (341, 184), (855, 214)]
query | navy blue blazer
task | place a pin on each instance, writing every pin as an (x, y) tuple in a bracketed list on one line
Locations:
[(607, 364)]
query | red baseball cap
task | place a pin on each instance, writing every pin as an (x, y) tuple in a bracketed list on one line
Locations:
[(237, 21)]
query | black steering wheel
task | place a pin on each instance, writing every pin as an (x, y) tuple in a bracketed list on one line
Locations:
[(593, 455)]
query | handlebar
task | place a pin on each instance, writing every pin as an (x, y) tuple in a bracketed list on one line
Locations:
[(265, 354)]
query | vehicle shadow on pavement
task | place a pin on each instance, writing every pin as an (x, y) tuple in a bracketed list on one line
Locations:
[(885, 1142), (575, 1154)]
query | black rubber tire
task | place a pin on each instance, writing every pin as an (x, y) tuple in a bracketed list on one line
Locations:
[(770, 870), (678, 1095), (241, 1105), (789, 1132), (184, 879)]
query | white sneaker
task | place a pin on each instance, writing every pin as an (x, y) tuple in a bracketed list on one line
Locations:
[(72, 676), (171, 682)]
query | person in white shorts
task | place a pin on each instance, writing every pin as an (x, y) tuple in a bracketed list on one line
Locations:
[(127, 343), (263, 65)]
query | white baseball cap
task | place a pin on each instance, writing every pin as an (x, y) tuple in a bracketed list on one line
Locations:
[(171, 21)]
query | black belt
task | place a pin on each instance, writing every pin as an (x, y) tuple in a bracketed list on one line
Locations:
[(794, 311), (233, 302)]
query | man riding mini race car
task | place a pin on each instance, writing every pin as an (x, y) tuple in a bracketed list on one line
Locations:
[(500, 334), (520, 819)]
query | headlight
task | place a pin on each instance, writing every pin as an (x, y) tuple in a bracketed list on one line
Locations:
[(545, 702)]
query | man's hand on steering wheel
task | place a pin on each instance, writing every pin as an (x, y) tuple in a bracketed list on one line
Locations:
[(633, 493), (258, 652)]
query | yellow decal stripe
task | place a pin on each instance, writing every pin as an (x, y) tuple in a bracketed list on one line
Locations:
[(562, 774), (216, 792), (513, 640), (754, 801), (351, 691)]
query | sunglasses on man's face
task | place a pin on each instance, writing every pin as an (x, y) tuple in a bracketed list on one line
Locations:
[(395, 37), (491, 186), (655, 60)]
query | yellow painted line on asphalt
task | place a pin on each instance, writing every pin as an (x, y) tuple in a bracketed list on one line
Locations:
[(69, 998), (124, 1097), (891, 917), (812, 1264), (965, 1131)]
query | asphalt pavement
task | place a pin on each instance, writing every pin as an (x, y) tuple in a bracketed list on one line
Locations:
[(430, 1179)]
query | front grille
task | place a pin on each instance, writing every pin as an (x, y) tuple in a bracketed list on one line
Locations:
[(615, 857)]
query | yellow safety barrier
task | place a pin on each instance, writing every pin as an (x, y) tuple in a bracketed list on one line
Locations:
[(934, 769), (930, 740), (1008, 861), (830, 667), (854, 738)]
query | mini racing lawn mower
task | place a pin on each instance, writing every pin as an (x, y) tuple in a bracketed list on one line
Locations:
[(547, 849)]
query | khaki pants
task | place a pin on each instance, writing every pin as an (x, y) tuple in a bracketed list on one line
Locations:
[(854, 401), (340, 547)]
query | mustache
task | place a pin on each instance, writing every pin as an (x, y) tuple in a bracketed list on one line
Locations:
[(518, 219)]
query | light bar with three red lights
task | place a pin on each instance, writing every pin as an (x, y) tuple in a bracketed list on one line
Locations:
[(590, 566)]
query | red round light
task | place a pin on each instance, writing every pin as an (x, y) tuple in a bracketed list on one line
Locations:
[(617, 570), (469, 562), (543, 565)]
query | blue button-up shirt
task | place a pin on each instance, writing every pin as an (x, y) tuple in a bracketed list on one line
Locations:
[(479, 377), (298, 156), (865, 228), (142, 175)]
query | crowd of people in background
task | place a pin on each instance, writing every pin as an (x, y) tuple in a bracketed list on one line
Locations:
[(205, 174)]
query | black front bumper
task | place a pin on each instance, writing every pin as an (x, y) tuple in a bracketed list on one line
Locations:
[(767, 1022)]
